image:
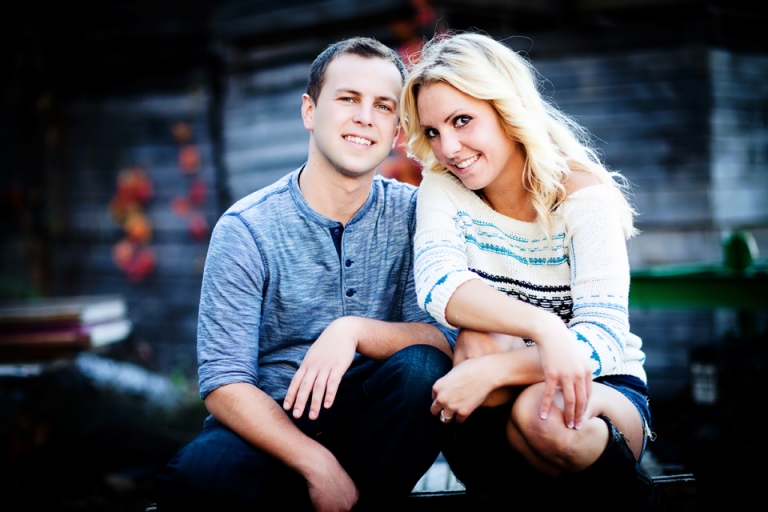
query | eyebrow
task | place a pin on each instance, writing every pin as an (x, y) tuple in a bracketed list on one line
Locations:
[(448, 118), (452, 114)]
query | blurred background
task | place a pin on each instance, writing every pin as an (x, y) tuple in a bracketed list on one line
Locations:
[(128, 127)]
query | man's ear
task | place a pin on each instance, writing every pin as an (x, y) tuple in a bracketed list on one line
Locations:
[(397, 135), (307, 111)]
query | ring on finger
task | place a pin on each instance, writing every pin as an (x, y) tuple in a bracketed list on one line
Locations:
[(444, 418)]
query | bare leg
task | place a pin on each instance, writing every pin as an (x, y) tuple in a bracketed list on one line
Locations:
[(549, 444)]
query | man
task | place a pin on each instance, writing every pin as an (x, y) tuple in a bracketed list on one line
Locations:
[(315, 360)]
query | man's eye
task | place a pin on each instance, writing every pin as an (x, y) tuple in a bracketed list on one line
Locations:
[(385, 107), (431, 133), (462, 121)]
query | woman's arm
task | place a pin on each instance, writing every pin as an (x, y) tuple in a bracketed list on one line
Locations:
[(457, 297), (474, 381), (478, 306), (597, 254)]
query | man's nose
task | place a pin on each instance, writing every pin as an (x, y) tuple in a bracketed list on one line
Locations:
[(364, 114)]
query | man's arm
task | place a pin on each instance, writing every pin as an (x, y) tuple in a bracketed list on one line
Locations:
[(331, 355), (228, 344), (258, 419)]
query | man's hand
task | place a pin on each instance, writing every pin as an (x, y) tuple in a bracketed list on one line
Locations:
[(330, 487), (321, 370)]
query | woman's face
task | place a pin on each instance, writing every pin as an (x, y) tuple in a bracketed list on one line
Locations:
[(467, 138)]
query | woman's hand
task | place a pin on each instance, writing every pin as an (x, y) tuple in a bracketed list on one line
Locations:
[(463, 389), (567, 368)]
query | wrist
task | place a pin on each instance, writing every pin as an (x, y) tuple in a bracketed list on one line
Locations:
[(313, 461), (547, 327), (349, 327)]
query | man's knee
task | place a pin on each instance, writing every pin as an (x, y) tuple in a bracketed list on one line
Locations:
[(420, 365), (405, 379), (218, 465)]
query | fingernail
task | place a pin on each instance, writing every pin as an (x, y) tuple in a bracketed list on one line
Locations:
[(570, 424), (578, 425), (543, 415)]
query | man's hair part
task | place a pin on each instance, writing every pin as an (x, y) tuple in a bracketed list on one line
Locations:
[(363, 46)]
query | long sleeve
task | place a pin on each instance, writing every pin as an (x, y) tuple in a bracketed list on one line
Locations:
[(412, 310), (599, 265), (230, 308), (441, 263)]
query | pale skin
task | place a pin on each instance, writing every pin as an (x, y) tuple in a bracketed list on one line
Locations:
[(352, 128), (553, 422)]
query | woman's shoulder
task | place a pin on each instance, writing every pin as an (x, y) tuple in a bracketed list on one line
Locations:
[(579, 180), (443, 185)]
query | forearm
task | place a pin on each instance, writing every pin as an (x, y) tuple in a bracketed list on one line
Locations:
[(519, 367), (259, 420), (478, 306), (378, 340)]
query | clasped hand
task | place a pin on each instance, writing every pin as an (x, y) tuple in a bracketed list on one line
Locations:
[(321, 371)]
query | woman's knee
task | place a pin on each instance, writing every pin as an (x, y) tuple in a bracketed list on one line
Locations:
[(550, 439)]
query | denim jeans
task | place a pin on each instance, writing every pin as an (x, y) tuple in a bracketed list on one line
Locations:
[(379, 428)]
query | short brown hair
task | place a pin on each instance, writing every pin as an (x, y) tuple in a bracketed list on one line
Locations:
[(362, 46)]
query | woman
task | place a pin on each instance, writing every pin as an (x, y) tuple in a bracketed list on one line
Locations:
[(521, 243)]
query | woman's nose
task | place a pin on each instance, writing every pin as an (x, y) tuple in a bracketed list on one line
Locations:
[(450, 145)]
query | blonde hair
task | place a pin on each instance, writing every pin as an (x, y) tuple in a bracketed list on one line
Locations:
[(554, 144)]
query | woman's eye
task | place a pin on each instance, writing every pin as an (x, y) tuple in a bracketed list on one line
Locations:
[(431, 133), (462, 121), (385, 107)]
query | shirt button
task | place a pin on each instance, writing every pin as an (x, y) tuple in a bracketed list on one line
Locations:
[(348, 263), (350, 292)]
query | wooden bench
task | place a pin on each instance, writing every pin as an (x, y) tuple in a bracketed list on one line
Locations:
[(678, 494)]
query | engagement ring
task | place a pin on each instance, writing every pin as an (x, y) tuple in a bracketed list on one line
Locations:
[(444, 418)]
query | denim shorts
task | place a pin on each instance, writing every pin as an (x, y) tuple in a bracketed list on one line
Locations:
[(636, 392)]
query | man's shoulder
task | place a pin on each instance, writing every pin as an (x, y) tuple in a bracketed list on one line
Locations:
[(266, 198), (393, 190)]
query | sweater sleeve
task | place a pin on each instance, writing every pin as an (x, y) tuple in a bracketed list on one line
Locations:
[(440, 265), (599, 277)]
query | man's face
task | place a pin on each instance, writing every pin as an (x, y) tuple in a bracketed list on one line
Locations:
[(354, 121)]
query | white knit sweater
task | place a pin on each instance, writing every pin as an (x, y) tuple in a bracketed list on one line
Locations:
[(580, 273)]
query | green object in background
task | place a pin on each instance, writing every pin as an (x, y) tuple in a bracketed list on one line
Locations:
[(740, 283)]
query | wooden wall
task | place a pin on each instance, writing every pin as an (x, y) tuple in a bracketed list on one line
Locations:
[(264, 137), (105, 137), (739, 132)]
